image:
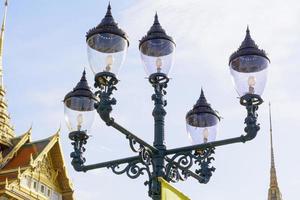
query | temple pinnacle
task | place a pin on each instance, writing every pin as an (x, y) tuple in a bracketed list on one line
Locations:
[(274, 192)]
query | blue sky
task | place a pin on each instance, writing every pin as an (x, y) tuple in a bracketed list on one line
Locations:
[(45, 53)]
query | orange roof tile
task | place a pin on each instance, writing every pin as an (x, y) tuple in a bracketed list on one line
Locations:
[(22, 157)]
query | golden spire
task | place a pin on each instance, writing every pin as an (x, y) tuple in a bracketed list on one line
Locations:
[(1, 43), (6, 130), (274, 192)]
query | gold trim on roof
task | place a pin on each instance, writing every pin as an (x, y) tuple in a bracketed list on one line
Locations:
[(6, 130)]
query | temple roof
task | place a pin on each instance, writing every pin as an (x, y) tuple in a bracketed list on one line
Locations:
[(28, 155), (25, 153)]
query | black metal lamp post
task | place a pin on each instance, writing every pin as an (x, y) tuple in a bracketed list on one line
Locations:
[(107, 45)]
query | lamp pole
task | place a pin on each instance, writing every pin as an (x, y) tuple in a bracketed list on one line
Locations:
[(107, 45)]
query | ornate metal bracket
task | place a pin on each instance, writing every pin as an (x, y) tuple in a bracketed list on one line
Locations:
[(180, 164), (159, 82), (79, 139), (191, 161), (106, 82), (251, 102), (133, 170)]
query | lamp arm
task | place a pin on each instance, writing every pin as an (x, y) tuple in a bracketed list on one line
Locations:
[(106, 164), (133, 167), (206, 145), (79, 139), (132, 138), (104, 108), (251, 129)]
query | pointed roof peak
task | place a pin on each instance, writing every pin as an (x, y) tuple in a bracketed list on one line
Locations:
[(6, 127), (156, 25), (202, 100), (82, 89), (108, 11), (156, 32), (248, 41), (271, 142), (83, 77), (248, 47), (108, 18), (274, 188), (248, 36), (202, 93), (82, 84), (107, 25), (202, 96), (156, 19), (2, 37), (202, 106)]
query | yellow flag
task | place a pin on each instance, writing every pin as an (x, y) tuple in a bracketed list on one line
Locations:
[(168, 192)]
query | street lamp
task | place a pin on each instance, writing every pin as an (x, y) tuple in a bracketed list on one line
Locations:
[(107, 45), (202, 122), (157, 50), (248, 67)]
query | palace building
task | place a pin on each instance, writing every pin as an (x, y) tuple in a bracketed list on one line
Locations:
[(29, 170)]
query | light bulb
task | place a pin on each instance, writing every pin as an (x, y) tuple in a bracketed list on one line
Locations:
[(79, 121), (205, 135), (158, 64), (251, 83), (109, 62), (205, 140)]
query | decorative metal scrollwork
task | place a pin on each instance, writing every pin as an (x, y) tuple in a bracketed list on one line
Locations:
[(79, 139), (132, 169), (203, 159), (146, 155), (144, 152), (135, 147), (179, 166)]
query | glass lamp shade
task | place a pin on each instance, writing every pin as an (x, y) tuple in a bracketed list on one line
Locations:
[(106, 52), (202, 128), (249, 74), (79, 113), (157, 55)]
